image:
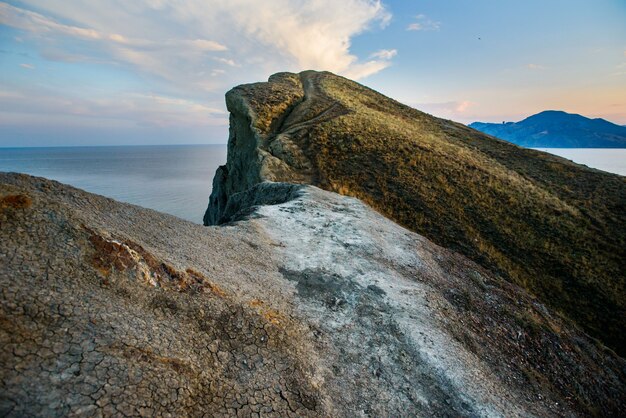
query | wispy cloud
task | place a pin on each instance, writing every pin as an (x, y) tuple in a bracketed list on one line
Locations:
[(423, 23), (362, 70), (462, 106), (385, 54), (53, 53), (621, 70), (229, 62), (535, 67), (454, 106), (282, 34), (131, 108), (35, 22), (455, 110), (28, 66), (42, 25), (188, 51)]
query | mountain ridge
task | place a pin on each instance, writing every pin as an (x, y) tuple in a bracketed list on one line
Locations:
[(545, 223), (557, 129)]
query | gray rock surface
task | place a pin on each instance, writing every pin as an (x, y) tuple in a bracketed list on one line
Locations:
[(314, 306), (250, 161), (263, 118), (243, 204)]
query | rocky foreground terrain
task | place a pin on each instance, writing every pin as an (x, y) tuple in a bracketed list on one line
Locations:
[(308, 302), (315, 306)]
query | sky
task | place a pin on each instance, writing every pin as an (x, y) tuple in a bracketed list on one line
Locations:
[(108, 72)]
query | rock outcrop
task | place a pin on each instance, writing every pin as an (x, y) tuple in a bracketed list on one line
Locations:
[(315, 306), (556, 228)]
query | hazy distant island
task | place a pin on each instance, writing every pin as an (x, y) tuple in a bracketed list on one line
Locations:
[(359, 258), (557, 129)]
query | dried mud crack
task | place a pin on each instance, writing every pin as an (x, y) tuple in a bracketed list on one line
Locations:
[(315, 306)]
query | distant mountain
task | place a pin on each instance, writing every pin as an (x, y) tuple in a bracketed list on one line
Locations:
[(557, 129)]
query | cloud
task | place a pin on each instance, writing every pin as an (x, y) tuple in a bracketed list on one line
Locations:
[(461, 107), (366, 69), (205, 45), (385, 54), (10, 95), (42, 25), (178, 57), (455, 106), (450, 110), (535, 67), (152, 35), (157, 55), (55, 54), (226, 61), (28, 66), (423, 23), (128, 109)]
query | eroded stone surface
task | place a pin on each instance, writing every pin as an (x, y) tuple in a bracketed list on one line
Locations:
[(317, 306), (441, 334), (95, 320)]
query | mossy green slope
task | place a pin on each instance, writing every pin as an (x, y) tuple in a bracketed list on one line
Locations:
[(554, 227)]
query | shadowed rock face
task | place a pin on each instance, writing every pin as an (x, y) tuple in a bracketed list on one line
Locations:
[(554, 227), (315, 306)]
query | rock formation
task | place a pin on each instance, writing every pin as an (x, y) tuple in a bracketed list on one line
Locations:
[(315, 306), (556, 228)]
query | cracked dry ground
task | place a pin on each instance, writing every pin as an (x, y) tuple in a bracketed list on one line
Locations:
[(83, 331), (318, 306)]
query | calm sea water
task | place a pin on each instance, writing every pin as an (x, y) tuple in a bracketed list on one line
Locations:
[(177, 179), (611, 160), (173, 179)]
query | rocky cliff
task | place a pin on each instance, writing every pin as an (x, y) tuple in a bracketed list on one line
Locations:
[(551, 226), (315, 306)]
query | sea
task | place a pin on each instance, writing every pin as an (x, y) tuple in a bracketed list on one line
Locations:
[(612, 160), (176, 179)]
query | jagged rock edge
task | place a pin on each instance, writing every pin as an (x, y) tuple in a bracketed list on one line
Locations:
[(242, 206), (240, 110)]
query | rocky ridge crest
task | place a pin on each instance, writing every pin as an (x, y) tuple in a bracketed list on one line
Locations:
[(551, 226)]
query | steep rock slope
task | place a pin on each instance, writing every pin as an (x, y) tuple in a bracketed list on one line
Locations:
[(316, 306), (557, 129), (554, 227)]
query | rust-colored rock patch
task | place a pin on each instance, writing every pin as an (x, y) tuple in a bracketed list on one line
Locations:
[(16, 201)]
